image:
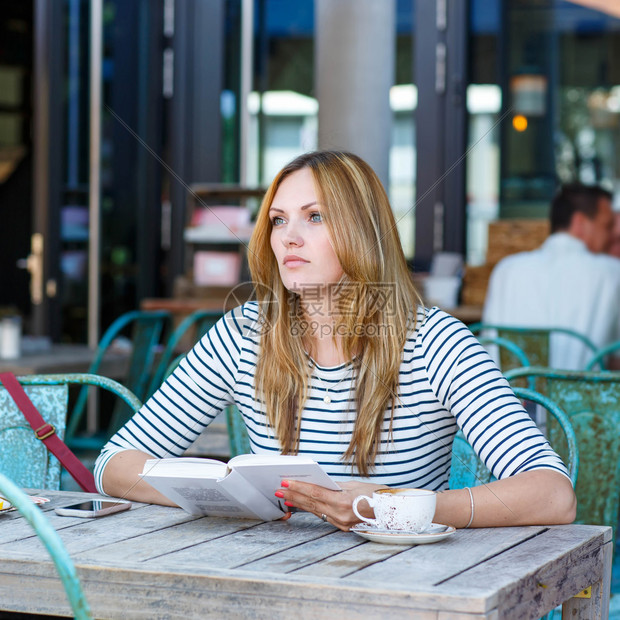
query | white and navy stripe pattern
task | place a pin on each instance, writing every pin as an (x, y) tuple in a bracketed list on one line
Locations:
[(447, 381)]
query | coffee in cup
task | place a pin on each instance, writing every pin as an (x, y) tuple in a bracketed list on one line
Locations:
[(400, 509)]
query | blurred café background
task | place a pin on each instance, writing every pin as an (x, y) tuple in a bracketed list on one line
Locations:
[(121, 119)]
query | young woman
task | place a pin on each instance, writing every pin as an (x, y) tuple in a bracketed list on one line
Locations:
[(339, 360)]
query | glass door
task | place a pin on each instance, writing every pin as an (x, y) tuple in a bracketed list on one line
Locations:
[(130, 173)]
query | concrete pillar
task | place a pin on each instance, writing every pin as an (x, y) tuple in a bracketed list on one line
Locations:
[(354, 70)]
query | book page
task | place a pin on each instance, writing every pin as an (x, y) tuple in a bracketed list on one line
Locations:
[(252, 498), (269, 459), (199, 497), (185, 467), (265, 472)]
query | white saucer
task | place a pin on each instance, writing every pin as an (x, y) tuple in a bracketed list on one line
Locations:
[(434, 533)]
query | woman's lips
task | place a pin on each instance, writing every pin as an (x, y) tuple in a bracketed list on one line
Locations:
[(294, 261)]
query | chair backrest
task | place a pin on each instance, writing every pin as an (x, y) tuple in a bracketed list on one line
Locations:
[(507, 347), (24, 458), (592, 402), (146, 329), (200, 322), (237, 432), (599, 357), (53, 544), (508, 354), (467, 470), (533, 341), (125, 395)]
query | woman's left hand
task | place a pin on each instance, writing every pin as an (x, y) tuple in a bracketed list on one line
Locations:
[(336, 506)]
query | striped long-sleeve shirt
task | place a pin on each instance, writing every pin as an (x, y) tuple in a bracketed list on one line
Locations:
[(447, 381)]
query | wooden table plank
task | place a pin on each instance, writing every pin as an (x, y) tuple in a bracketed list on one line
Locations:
[(300, 557), (430, 564), (185, 534), (349, 562), (259, 541), (79, 535)]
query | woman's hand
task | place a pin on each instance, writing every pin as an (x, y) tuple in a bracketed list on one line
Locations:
[(335, 505)]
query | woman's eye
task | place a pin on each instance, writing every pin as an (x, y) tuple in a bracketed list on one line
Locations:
[(277, 220), (316, 217)]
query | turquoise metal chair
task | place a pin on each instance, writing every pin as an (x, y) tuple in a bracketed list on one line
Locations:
[(53, 544), (24, 458), (201, 322), (592, 402), (145, 331), (510, 354), (237, 432), (601, 355), (520, 358), (534, 342), (467, 470)]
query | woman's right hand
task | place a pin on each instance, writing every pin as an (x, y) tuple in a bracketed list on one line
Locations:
[(335, 505)]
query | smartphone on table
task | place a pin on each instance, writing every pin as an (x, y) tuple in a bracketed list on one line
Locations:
[(93, 508)]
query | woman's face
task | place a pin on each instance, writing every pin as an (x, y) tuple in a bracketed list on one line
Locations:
[(299, 237)]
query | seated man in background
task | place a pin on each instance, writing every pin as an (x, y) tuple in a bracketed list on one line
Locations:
[(568, 282)]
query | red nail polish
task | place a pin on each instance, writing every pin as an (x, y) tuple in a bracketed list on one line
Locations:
[(289, 504), (284, 483), (279, 494)]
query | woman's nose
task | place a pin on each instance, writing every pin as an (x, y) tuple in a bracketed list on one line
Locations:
[(292, 237)]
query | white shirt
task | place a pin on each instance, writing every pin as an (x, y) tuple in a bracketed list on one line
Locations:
[(561, 284)]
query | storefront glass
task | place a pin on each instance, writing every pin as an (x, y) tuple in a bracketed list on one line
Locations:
[(543, 104)]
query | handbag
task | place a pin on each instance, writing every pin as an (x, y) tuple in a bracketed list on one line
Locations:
[(47, 434)]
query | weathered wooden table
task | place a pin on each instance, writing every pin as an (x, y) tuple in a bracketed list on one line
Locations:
[(156, 562)]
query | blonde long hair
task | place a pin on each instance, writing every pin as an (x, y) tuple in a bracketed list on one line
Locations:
[(362, 229)]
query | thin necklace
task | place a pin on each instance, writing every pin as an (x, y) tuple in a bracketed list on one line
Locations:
[(326, 398)]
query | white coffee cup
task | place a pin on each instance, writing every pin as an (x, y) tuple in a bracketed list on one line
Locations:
[(400, 509)]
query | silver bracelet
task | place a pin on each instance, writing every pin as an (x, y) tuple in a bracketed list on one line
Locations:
[(471, 501)]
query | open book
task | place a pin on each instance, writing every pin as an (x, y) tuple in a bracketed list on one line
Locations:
[(243, 488)]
